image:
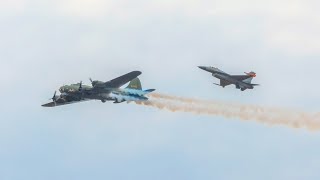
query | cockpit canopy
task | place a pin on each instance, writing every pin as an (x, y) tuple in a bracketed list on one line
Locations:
[(63, 89)]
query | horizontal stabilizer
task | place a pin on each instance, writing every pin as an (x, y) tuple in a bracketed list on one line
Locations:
[(149, 90), (118, 102)]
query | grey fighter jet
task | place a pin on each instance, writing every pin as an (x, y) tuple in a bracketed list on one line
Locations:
[(103, 91), (241, 82)]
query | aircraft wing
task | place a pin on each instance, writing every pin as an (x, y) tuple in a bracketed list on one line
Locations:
[(241, 77), (54, 104), (224, 83), (122, 80), (69, 99)]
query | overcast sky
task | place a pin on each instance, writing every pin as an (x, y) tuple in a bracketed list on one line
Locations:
[(45, 44)]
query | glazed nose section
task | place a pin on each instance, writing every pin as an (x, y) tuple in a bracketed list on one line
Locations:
[(62, 89)]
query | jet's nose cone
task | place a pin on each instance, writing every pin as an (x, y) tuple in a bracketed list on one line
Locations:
[(202, 67)]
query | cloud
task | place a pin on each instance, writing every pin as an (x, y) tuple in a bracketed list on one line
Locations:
[(167, 34), (85, 8), (293, 27), (12, 7), (52, 43), (285, 26), (96, 9)]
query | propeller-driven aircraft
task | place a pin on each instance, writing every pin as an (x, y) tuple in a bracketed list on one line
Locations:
[(242, 82), (103, 91)]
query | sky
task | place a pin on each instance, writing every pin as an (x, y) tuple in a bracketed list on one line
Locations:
[(46, 44)]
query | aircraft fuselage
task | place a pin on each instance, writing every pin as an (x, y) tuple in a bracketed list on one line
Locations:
[(107, 94), (227, 77), (217, 73)]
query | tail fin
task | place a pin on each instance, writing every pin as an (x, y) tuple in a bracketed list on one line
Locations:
[(251, 75), (135, 84), (248, 81)]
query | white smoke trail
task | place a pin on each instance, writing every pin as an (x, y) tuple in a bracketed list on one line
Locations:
[(265, 115)]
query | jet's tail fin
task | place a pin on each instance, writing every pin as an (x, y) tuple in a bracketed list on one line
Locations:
[(135, 84), (251, 76), (248, 81)]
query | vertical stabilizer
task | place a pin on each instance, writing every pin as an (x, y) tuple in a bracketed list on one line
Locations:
[(250, 75), (135, 84), (248, 81)]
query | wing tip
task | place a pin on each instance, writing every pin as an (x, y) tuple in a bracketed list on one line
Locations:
[(138, 73), (48, 105), (150, 90)]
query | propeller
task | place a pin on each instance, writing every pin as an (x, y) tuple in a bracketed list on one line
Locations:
[(93, 83), (54, 98), (80, 86)]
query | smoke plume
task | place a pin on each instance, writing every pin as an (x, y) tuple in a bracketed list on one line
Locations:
[(266, 115)]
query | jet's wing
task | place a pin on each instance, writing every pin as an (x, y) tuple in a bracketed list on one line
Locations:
[(122, 80), (224, 83), (241, 77)]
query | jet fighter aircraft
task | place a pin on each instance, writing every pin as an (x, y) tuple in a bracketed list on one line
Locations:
[(241, 82), (103, 91)]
